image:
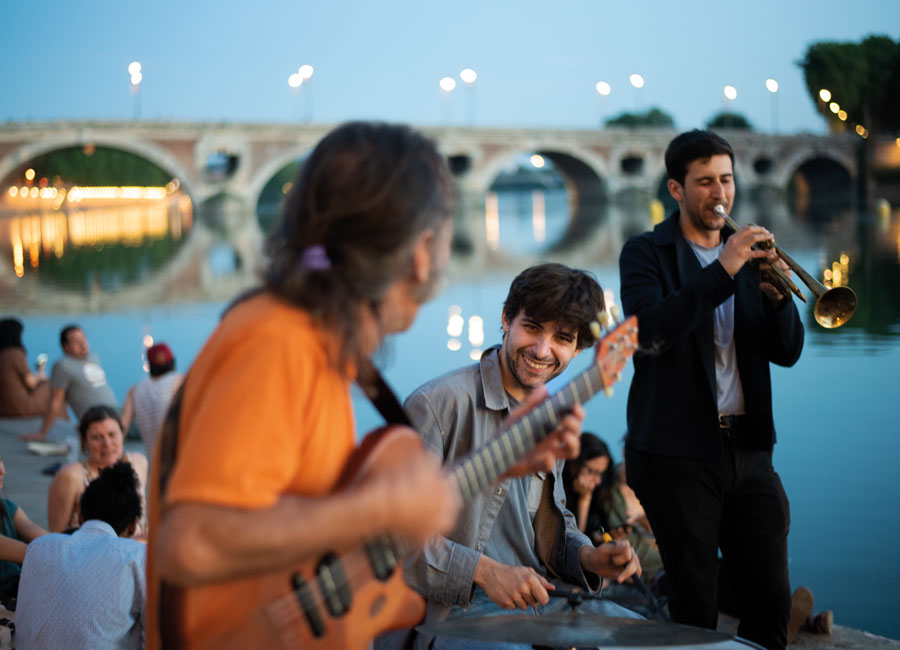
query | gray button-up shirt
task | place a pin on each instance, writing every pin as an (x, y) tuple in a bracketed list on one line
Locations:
[(456, 414)]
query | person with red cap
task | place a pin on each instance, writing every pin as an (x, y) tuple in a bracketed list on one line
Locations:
[(148, 400)]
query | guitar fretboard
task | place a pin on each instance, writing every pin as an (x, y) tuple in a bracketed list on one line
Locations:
[(473, 474)]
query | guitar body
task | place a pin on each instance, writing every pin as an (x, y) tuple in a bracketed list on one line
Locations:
[(274, 613)]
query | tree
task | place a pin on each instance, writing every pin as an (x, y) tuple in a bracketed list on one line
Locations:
[(655, 117), (863, 78), (729, 120)]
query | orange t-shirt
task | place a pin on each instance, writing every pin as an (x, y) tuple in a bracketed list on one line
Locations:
[(263, 414)]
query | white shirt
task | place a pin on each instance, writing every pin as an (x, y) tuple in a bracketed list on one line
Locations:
[(152, 397), (82, 591)]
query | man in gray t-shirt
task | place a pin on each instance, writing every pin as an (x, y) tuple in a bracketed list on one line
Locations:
[(77, 379)]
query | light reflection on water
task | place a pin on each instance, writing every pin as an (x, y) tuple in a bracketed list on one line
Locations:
[(837, 430)]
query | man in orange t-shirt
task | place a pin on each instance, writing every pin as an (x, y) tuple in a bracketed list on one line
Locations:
[(243, 490)]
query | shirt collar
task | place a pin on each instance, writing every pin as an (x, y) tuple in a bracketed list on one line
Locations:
[(97, 526), (495, 397)]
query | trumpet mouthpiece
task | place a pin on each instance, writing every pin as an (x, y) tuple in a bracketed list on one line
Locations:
[(720, 211)]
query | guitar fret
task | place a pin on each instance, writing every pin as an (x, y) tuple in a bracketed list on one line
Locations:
[(586, 377), (496, 460), (551, 414), (526, 424), (575, 394), (462, 483), (479, 466), (520, 447), (510, 456), (470, 475)]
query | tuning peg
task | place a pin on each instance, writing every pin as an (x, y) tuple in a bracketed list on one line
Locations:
[(608, 391), (603, 317), (595, 329), (616, 313)]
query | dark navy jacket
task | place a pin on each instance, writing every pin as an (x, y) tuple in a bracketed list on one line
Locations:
[(672, 404)]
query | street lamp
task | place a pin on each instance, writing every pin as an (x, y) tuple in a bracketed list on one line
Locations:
[(637, 81), (772, 87), (447, 84), (305, 72), (603, 90), (468, 77), (295, 81), (134, 69), (730, 93)]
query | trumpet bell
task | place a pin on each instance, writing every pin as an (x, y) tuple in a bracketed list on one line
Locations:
[(835, 307)]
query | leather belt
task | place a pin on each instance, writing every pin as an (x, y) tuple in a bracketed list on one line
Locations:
[(730, 421)]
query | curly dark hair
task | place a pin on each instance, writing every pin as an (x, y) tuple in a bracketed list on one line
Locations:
[(114, 497), (555, 292)]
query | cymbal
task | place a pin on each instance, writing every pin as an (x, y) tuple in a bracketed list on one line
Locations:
[(577, 628)]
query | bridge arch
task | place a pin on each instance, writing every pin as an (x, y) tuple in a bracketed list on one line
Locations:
[(145, 149), (271, 167), (587, 171), (789, 166)]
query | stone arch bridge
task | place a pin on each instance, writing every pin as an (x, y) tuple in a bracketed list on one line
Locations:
[(594, 163)]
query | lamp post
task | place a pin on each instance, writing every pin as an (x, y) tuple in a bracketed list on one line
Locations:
[(306, 72), (468, 77), (134, 69), (603, 90), (295, 81), (637, 81), (730, 93), (772, 87), (447, 84)]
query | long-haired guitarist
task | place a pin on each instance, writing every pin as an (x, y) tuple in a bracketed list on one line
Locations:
[(498, 557), (260, 436)]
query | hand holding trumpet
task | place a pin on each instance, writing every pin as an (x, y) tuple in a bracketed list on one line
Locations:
[(833, 307), (746, 244)]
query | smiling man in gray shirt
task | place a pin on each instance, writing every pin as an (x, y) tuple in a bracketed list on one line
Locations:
[(491, 560)]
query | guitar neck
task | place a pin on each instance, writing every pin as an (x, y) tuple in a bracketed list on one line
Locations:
[(476, 472)]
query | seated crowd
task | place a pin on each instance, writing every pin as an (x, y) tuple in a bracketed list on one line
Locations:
[(89, 567)]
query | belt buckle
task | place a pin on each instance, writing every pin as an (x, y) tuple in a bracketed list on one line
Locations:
[(726, 420)]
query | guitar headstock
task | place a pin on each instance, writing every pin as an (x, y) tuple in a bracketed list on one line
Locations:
[(616, 343)]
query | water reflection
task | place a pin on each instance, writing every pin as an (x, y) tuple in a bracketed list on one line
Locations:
[(88, 237), (107, 238)]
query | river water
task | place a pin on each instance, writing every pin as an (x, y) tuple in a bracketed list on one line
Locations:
[(839, 440)]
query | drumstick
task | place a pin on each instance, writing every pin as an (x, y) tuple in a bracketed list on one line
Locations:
[(638, 580)]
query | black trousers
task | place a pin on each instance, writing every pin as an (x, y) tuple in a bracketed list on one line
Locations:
[(736, 504)]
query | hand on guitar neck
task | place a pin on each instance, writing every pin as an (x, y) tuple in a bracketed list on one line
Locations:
[(562, 443)]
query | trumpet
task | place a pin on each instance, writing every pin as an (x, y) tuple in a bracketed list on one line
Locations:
[(833, 307)]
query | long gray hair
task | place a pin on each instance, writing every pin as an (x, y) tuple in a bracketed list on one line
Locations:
[(363, 197)]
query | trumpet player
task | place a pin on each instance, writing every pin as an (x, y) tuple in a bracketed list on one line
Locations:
[(700, 424)]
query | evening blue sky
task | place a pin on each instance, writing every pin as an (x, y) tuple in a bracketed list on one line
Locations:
[(537, 62)]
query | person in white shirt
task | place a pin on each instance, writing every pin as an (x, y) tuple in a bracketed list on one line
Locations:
[(148, 400), (87, 590)]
